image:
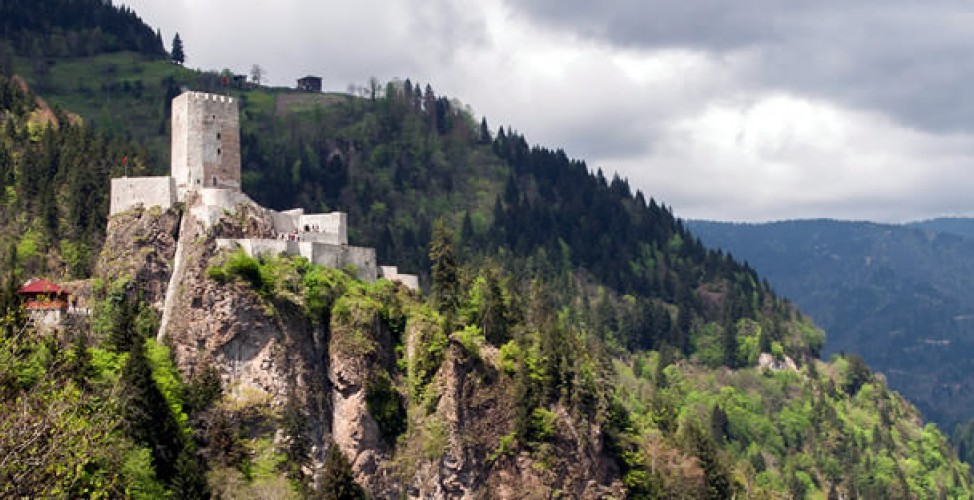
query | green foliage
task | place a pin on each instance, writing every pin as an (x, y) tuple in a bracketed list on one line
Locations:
[(166, 378), (385, 406), (861, 282), (430, 345), (52, 179), (543, 425), (511, 357), (470, 338), (446, 282), (240, 265), (62, 28), (338, 483), (203, 389)]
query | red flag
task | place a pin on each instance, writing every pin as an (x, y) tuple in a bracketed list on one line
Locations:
[(125, 159), (226, 80)]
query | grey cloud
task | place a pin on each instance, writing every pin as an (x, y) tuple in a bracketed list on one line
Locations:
[(708, 24), (910, 59)]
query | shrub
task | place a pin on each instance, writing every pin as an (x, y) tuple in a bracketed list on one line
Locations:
[(385, 406)]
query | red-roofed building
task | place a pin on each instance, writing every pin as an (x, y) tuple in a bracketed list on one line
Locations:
[(45, 302)]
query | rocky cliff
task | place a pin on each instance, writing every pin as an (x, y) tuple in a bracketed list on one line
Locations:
[(368, 367)]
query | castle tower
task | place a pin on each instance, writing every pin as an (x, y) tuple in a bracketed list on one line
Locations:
[(205, 142)]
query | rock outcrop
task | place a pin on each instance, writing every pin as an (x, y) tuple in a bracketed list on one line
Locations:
[(270, 353)]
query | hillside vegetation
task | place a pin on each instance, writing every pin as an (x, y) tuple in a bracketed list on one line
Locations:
[(573, 332), (896, 294)]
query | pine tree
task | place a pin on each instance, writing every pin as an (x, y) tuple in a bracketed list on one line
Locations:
[(79, 366), (189, 481), (445, 274), (146, 415), (294, 425), (337, 479), (123, 333), (729, 344), (484, 131), (718, 477), (178, 56), (719, 424)]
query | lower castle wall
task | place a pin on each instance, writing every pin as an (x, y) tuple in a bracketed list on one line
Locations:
[(327, 228), (322, 254), (226, 199), (129, 192), (284, 222), (334, 224), (391, 273), (342, 255)]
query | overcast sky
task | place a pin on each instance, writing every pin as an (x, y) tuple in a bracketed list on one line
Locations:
[(728, 110)]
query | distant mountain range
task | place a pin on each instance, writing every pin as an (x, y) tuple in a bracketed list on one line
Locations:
[(899, 295), (961, 226)]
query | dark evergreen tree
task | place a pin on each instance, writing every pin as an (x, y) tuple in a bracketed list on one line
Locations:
[(484, 131), (146, 415), (189, 480), (337, 480), (444, 268), (729, 344), (719, 481), (857, 374), (178, 56), (123, 334), (294, 424), (203, 389), (719, 424), (79, 365)]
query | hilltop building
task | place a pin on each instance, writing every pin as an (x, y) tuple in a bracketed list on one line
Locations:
[(310, 83), (205, 176)]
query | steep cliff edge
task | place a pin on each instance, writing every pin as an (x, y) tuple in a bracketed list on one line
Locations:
[(140, 246), (368, 367)]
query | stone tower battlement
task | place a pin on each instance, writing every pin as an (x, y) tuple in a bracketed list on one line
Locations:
[(205, 142), (206, 161)]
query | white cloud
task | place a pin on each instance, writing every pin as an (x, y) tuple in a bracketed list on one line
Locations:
[(781, 156), (829, 110)]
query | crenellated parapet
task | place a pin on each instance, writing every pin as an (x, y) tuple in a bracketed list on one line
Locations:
[(206, 177), (205, 142)]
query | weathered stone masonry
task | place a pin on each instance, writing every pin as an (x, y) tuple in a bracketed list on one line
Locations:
[(206, 161)]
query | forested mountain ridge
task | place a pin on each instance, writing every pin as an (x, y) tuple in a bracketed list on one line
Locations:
[(575, 336), (961, 226), (73, 28), (898, 294)]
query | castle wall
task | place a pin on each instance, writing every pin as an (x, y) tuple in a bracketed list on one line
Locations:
[(226, 199), (391, 273), (129, 192), (214, 203), (205, 142), (363, 259), (334, 224), (287, 221), (337, 256), (342, 255)]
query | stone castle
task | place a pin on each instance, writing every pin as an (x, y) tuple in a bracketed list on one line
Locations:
[(205, 176)]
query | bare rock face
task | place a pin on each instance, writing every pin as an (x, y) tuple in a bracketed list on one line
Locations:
[(262, 352), (270, 354), (354, 430), (140, 245)]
